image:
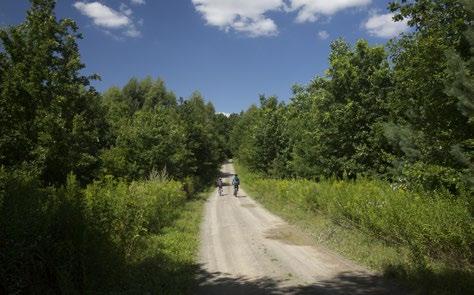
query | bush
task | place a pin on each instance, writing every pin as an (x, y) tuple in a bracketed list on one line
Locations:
[(42, 235), (68, 239), (121, 215), (426, 177), (429, 225)]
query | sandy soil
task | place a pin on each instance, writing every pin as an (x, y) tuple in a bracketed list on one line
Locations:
[(247, 250)]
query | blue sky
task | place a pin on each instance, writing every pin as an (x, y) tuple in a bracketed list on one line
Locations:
[(229, 50)]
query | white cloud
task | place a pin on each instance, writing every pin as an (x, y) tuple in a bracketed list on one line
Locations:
[(125, 10), (225, 114), (102, 15), (323, 35), (108, 18), (256, 27), (309, 10), (244, 16), (251, 16), (138, 2), (383, 26), (133, 32)]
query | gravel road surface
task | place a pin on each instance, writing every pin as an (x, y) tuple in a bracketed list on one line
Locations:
[(245, 249)]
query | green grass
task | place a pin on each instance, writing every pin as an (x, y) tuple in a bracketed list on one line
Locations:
[(167, 264), (423, 241)]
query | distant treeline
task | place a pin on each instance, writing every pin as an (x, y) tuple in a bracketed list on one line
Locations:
[(86, 179), (402, 112)]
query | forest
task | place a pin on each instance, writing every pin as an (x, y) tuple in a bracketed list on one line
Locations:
[(97, 189), (383, 142)]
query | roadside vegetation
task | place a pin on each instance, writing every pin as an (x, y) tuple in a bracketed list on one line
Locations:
[(382, 144), (423, 242), (99, 193)]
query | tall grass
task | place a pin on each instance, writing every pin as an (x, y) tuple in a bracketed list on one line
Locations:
[(430, 225), (437, 231), (98, 239)]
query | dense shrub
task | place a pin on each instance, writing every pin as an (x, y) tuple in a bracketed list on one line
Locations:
[(424, 177), (41, 234), (69, 239), (433, 226), (67, 234), (116, 207)]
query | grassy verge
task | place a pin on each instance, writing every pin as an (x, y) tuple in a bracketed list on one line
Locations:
[(167, 264), (424, 242)]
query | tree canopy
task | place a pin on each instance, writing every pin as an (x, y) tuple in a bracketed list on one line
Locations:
[(401, 111)]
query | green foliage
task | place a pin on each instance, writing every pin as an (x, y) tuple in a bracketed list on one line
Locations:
[(437, 231), (147, 206), (147, 141), (103, 226), (434, 226), (336, 119), (422, 177), (393, 132), (69, 239), (42, 234), (49, 116), (224, 126), (202, 139), (259, 136), (331, 127), (377, 113), (424, 108), (150, 131)]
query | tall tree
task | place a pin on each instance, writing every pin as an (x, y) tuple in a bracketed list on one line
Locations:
[(341, 114), (198, 120), (427, 121), (50, 118), (461, 69)]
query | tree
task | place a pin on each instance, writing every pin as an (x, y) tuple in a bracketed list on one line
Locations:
[(461, 69), (50, 116), (427, 121), (150, 140), (337, 119), (206, 154)]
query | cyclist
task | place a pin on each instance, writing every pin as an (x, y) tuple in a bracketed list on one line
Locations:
[(220, 183), (236, 183)]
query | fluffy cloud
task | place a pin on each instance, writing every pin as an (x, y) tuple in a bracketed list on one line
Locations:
[(383, 26), (243, 16), (108, 18), (102, 15), (138, 2), (309, 10), (250, 16), (323, 35)]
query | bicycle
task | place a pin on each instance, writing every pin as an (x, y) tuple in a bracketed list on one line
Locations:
[(236, 189)]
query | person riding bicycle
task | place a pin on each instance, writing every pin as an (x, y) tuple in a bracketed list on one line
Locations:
[(220, 183), (236, 183)]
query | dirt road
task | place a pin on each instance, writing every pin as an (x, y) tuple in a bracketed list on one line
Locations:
[(247, 250)]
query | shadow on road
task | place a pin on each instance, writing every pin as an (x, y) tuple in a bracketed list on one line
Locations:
[(161, 275), (345, 283)]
